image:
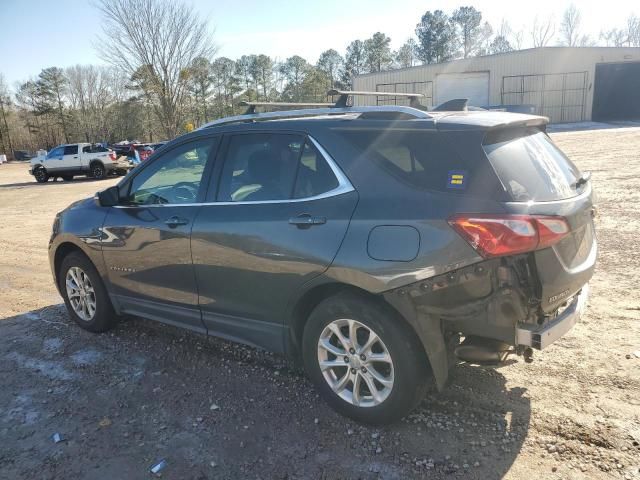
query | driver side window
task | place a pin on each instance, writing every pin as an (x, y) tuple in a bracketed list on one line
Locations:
[(55, 153), (173, 178)]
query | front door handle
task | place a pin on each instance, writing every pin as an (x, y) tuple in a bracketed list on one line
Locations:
[(176, 221), (305, 220)]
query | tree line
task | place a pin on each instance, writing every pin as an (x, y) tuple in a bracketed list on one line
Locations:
[(164, 77)]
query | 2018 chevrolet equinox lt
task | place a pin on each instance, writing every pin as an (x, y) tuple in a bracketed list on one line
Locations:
[(373, 244)]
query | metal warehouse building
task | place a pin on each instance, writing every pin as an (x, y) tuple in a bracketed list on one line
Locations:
[(566, 84)]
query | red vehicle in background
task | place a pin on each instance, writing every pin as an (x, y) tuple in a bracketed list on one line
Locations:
[(129, 150)]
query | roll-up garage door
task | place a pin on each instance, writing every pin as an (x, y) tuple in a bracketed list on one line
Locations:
[(474, 86), (615, 96)]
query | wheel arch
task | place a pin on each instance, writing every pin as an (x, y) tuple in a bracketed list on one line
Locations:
[(94, 161), (61, 252), (310, 299)]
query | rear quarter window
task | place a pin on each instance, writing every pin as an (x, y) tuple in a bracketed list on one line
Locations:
[(530, 166), (424, 159)]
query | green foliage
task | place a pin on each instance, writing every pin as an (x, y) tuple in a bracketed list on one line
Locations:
[(436, 37), (467, 20), (377, 52)]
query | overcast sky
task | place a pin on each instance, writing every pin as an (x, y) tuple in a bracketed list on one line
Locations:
[(35, 34)]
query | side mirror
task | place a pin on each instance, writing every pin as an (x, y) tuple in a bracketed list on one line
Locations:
[(108, 197)]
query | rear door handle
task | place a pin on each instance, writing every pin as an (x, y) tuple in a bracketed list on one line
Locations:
[(305, 220), (176, 221)]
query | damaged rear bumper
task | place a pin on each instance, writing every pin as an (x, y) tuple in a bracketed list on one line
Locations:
[(540, 337)]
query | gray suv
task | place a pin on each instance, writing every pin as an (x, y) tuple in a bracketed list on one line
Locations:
[(375, 245)]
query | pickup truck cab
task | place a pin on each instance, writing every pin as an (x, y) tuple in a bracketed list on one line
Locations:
[(73, 159)]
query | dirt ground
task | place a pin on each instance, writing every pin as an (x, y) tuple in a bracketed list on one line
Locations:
[(145, 392)]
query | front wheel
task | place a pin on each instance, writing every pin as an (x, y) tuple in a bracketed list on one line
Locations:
[(364, 359), (41, 175), (84, 294)]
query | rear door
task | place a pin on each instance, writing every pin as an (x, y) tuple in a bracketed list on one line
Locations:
[(276, 221), (71, 158), (541, 180)]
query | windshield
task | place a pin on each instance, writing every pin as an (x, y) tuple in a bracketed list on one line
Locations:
[(530, 166)]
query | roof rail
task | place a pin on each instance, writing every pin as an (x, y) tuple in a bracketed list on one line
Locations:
[(315, 112), (345, 94), (252, 105)]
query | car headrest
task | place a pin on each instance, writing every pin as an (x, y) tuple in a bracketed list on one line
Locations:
[(263, 166)]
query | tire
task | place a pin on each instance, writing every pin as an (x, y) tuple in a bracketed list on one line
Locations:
[(67, 178), (98, 171), (41, 175), (102, 317), (407, 376)]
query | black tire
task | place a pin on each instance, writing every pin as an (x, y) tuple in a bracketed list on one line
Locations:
[(104, 317), (98, 171), (41, 175), (411, 370), (67, 178)]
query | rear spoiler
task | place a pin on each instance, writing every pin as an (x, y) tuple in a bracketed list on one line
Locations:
[(490, 120)]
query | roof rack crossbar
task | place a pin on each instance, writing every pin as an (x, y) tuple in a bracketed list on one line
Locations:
[(345, 94), (251, 106), (314, 112)]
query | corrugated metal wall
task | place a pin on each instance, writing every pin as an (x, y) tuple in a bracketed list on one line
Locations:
[(558, 81)]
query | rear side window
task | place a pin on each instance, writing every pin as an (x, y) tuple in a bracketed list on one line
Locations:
[(425, 160), (269, 167), (530, 166)]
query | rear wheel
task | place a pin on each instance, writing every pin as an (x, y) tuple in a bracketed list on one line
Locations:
[(98, 171), (84, 294), (365, 361), (41, 175)]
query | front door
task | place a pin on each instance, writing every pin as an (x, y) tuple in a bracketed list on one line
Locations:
[(146, 239), (277, 220), (54, 160)]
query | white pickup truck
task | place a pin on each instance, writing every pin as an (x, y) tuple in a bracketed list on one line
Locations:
[(72, 159)]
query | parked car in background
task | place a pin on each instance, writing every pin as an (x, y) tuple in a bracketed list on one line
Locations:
[(363, 241), (67, 161), (22, 155), (135, 152)]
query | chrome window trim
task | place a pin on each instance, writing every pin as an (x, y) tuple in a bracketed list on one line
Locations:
[(344, 186)]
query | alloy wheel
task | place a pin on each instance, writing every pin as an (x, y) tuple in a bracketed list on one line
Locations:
[(81, 294), (355, 363)]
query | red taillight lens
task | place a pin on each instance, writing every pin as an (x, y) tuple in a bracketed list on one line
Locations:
[(498, 235), (112, 155)]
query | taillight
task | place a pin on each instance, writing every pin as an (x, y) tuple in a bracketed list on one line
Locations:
[(112, 155), (498, 235)]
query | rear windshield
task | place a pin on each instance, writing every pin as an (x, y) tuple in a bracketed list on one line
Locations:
[(425, 160), (530, 166)]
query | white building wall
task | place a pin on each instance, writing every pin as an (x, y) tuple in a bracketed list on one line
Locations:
[(537, 61)]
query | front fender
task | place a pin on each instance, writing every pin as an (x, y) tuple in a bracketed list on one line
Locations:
[(79, 226)]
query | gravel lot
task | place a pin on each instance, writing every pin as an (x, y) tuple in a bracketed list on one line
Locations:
[(146, 392)]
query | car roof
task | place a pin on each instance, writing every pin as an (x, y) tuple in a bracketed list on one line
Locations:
[(472, 120)]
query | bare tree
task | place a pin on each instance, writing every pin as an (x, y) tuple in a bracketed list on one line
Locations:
[(614, 37), (542, 31), (633, 31), (159, 39), (5, 102), (570, 26)]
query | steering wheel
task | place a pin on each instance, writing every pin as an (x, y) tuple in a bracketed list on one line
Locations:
[(184, 192)]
